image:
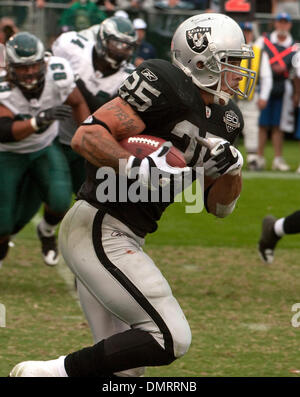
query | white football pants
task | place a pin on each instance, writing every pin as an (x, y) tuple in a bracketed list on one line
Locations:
[(119, 285)]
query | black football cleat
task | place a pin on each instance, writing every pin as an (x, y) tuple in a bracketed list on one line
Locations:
[(49, 248), (268, 239)]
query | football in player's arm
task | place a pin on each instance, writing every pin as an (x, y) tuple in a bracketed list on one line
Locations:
[(101, 240)]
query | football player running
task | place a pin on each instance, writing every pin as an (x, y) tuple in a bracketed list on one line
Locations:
[(101, 65), (38, 90), (102, 241)]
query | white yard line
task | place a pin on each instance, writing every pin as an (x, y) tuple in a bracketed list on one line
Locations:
[(270, 175), (256, 326)]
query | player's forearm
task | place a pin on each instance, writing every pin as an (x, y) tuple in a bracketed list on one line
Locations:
[(79, 106), (98, 147), (223, 195), (80, 112), (22, 129), (93, 102)]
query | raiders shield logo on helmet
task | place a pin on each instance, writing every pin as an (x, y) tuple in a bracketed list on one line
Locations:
[(197, 39)]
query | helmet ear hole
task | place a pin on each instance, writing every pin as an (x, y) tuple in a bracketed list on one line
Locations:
[(200, 65)]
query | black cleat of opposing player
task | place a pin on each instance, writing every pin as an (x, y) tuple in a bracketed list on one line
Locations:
[(268, 239), (49, 248)]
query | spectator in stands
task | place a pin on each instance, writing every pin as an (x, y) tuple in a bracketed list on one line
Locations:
[(135, 5), (19, 12), (7, 29), (52, 16), (212, 6), (280, 47), (92, 32), (81, 15), (121, 13), (41, 3), (251, 107), (110, 5), (144, 49), (174, 4)]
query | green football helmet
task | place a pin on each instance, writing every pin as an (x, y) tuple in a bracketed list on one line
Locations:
[(116, 41), (25, 57)]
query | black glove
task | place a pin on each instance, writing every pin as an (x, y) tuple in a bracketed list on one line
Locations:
[(46, 117)]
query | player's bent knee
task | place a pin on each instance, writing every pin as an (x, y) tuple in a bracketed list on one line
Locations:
[(182, 342), (181, 336)]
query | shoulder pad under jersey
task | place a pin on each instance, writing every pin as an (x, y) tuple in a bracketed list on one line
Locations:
[(69, 45), (156, 85), (228, 121), (5, 87), (59, 72)]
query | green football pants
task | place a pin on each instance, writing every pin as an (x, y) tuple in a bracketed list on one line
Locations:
[(76, 165), (29, 179)]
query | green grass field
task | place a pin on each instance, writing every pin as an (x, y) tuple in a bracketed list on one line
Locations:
[(239, 309)]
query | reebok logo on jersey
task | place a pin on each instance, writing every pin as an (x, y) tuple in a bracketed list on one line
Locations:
[(231, 121), (149, 75)]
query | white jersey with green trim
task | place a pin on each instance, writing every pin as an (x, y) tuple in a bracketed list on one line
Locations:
[(78, 50), (59, 83)]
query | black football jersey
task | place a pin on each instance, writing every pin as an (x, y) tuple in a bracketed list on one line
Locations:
[(172, 108)]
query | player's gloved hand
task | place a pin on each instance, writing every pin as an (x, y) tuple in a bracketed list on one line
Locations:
[(142, 168), (46, 117), (220, 158)]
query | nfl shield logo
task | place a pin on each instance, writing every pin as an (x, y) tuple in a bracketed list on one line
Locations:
[(231, 121)]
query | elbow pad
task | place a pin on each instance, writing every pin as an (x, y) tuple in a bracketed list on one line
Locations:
[(223, 210), (6, 134)]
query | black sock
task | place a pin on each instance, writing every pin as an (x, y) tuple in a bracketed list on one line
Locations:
[(130, 349), (4, 249), (52, 218), (291, 223)]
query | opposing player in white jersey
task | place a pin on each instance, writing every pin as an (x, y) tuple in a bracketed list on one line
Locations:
[(101, 65), (37, 91)]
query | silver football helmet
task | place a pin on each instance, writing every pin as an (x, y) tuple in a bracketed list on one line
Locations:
[(203, 47)]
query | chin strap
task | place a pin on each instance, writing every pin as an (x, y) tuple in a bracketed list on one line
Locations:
[(113, 63), (221, 98)]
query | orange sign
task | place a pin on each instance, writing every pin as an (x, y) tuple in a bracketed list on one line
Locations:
[(237, 6)]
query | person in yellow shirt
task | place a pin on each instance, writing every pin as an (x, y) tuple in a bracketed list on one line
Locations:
[(251, 106)]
